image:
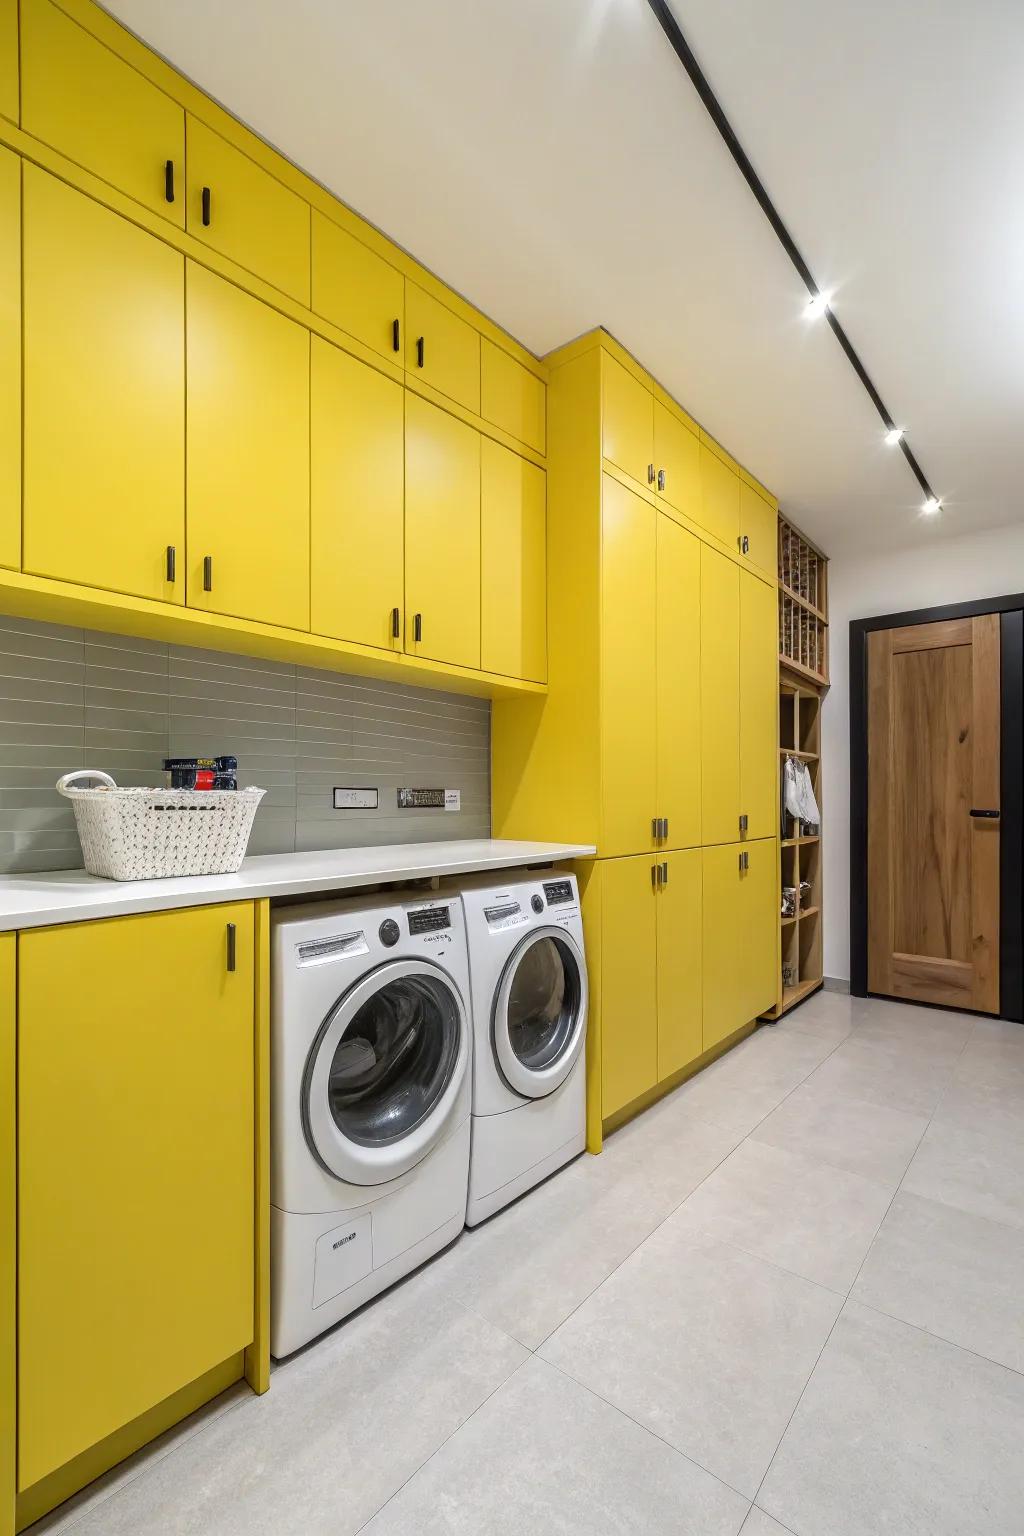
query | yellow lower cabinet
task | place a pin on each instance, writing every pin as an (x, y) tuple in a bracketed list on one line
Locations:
[(680, 1033), (513, 588), (10, 358), (104, 397), (8, 1232), (740, 935), (135, 1169), (442, 535), (629, 981), (248, 455), (719, 697), (357, 500), (678, 703), (759, 957), (759, 706)]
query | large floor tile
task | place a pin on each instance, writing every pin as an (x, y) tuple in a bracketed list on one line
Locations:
[(794, 1211), (994, 1053), (924, 1035), (741, 1088), (344, 1425), (953, 1274), (993, 1109), (545, 1455), (706, 1345), (873, 1140), (828, 1014), (970, 1169), (760, 1524), (862, 1070), (901, 1432)]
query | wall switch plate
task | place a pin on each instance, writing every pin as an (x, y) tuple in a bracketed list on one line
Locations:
[(353, 799)]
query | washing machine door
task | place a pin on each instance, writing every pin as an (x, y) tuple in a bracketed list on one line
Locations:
[(383, 1079), (540, 1012)]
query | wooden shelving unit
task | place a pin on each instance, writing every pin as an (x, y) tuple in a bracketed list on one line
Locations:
[(803, 606)]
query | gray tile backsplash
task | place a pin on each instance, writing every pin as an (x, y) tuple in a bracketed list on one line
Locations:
[(72, 698)]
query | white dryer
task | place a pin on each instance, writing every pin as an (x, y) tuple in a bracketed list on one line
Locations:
[(528, 983), (370, 1098)]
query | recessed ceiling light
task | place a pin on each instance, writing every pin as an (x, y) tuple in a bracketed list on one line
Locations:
[(893, 436), (931, 506), (817, 304)]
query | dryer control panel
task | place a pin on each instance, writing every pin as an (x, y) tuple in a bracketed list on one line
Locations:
[(429, 920)]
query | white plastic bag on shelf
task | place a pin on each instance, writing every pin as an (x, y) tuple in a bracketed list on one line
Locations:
[(798, 793)]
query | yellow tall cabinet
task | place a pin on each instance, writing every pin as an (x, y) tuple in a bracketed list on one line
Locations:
[(10, 359), (657, 741)]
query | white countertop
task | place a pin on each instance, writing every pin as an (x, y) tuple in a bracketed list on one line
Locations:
[(72, 896)]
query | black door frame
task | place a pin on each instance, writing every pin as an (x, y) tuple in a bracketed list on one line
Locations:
[(1011, 773)]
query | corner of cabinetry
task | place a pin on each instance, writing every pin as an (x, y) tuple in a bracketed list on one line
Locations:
[(257, 1356), (588, 876)]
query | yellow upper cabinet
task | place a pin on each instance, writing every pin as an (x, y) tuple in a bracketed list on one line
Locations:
[(759, 525), (441, 349), (135, 1243), (357, 495), (104, 397), (442, 535), (356, 289), (513, 590), (10, 359), (245, 213), (678, 703), (719, 696), (248, 455), (9, 59), (511, 396), (719, 495), (82, 99), (629, 782), (677, 463), (759, 712), (627, 421)]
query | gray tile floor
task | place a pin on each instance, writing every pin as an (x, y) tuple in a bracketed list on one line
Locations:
[(789, 1299)]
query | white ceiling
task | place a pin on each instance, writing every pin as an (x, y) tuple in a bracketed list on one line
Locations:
[(550, 159)]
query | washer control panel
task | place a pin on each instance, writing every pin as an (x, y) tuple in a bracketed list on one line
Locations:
[(557, 892), (429, 920), (389, 932)]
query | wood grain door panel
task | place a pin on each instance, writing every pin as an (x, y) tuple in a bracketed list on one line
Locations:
[(933, 757)]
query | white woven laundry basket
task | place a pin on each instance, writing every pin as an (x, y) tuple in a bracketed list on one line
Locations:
[(149, 834)]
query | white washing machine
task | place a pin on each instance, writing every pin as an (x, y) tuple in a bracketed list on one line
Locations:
[(370, 1099), (528, 983)]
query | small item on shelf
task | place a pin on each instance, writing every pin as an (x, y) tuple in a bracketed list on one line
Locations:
[(789, 901), (201, 772), (790, 973), (805, 894)]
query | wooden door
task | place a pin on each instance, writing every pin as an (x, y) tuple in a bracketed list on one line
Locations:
[(513, 585), (629, 989), (678, 677), (441, 349), (356, 289), (678, 904), (629, 779), (135, 1169), (627, 421), (357, 500), (933, 763), (248, 455), (719, 697), (104, 397), (10, 359), (442, 535), (759, 706)]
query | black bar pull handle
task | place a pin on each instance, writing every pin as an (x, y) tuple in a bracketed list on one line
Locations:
[(396, 623), (417, 627), (206, 205), (232, 946), (169, 181), (171, 562), (419, 351), (985, 815), (208, 573), (396, 336)]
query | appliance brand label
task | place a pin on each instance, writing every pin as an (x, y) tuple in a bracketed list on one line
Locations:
[(348, 1238)]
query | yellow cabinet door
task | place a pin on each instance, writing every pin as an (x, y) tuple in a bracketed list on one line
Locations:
[(356, 289), (629, 981), (677, 463), (10, 359), (725, 945), (9, 59), (629, 775), (442, 535), (440, 349), (719, 697), (627, 421), (104, 397), (759, 529), (8, 1226), (80, 97), (680, 1029), (239, 209), (511, 396), (135, 1169), (759, 914), (719, 497), (357, 500), (759, 706), (513, 589), (678, 672), (248, 455)]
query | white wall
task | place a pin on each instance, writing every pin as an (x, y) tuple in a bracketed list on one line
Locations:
[(959, 570)]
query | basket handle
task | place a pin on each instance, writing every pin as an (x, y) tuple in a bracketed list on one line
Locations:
[(64, 783)]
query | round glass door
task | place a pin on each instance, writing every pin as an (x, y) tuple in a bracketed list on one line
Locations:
[(540, 1012), (384, 1072)]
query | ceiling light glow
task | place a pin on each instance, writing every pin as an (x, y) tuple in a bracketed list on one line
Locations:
[(817, 305), (931, 506), (893, 436)]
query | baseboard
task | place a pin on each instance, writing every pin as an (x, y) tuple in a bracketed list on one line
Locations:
[(835, 984)]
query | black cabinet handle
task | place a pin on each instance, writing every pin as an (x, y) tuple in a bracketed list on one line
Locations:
[(396, 336), (169, 181), (232, 946), (986, 815), (419, 352), (396, 623), (417, 627), (171, 562), (650, 474), (206, 205), (208, 573)]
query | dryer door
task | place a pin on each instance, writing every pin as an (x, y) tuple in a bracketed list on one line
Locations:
[(540, 1012), (383, 1080)]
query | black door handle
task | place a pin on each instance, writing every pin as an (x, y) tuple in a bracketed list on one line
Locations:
[(169, 181), (171, 562), (420, 350), (986, 815), (207, 573), (206, 205), (232, 947), (417, 627), (396, 623), (396, 336)]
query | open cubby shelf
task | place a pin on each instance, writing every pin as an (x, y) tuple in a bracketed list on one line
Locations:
[(803, 606)]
